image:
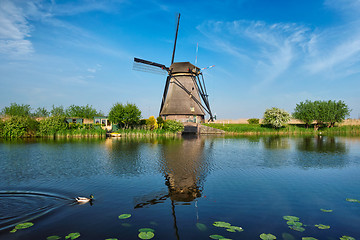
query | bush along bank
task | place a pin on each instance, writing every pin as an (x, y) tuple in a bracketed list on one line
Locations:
[(55, 126)]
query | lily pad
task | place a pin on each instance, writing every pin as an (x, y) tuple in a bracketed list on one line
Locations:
[(24, 225), (296, 224), (296, 228), (72, 235), (230, 230), (126, 225), (235, 228), (326, 210), (352, 200), (14, 230), (146, 230), (308, 238), (291, 218), (201, 227), (321, 226), (124, 216), (215, 236), (146, 235), (268, 236), (287, 236), (222, 224), (53, 237), (347, 238), (111, 239)]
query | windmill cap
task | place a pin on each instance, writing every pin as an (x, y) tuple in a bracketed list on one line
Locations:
[(184, 67)]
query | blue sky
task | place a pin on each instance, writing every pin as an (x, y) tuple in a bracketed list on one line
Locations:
[(266, 53)]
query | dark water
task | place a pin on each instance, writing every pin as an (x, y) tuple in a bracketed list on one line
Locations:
[(170, 185)]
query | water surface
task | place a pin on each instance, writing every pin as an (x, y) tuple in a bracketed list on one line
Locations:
[(170, 185)]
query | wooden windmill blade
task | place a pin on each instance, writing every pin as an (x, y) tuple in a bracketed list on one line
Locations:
[(148, 66)]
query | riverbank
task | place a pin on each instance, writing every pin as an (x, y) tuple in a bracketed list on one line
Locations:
[(290, 129)]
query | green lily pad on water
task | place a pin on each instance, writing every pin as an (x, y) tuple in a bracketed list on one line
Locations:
[(22, 226), (288, 236), (201, 227), (291, 218), (308, 238), (321, 226), (124, 216), (268, 236), (72, 235), (326, 210), (347, 238), (296, 224), (111, 239), (296, 228), (215, 236), (146, 230), (146, 235), (53, 237), (222, 224), (234, 229), (352, 200)]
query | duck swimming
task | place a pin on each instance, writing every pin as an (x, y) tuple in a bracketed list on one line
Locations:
[(84, 199)]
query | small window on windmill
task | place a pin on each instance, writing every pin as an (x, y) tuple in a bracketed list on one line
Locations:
[(192, 109)]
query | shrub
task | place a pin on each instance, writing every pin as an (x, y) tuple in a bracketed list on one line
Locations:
[(276, 117), (253, 121), (19, 126), (160, 121), (81, 111), (126, 115), (52, 125), (151, 123), (173, 126)]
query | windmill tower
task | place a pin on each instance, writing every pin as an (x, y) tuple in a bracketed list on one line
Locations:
[(185, 98)]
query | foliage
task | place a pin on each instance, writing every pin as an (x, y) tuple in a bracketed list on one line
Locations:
[(151, 123), (126, 115), (173, 126), (160, 121), (53, 124), (253, 121), (276, 117), (125, 216), (41, 112), (81, 111), (19, 126), (323, 112), (17, 110), (305, 112), (57, 111)]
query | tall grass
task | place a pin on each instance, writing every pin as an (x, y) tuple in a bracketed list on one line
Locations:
[(290, 129)]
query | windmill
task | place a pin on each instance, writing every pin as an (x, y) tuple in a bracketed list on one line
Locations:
[(185, 98)]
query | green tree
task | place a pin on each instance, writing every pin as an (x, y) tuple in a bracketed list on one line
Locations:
[(19, 126), (305, 112), (151, 123), (173, 126), (52, 125), (17, 110), (160, 121), (41, 112), (276, 117), (57, 111), (125, 115), (81, 111)]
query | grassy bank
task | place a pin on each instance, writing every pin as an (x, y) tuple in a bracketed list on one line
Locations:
[(144, 132), (290, 129), (69, 133)]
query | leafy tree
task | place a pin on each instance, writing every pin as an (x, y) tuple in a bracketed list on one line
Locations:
[(160, 121), (126, 115), (305, 112), (151, 123), (53, 124), (57, 111), (41, 112), (173, 126), (19, 126), (17, 110), (276, 117), (81, 111)]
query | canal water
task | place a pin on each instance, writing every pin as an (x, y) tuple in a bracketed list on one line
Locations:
[(180, 187)]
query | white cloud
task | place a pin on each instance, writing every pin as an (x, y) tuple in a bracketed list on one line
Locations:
[(14, 31)]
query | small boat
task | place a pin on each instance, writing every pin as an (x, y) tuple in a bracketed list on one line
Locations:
[(84, 199)]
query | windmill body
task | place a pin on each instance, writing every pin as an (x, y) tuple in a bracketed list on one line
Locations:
[(185, 98)]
